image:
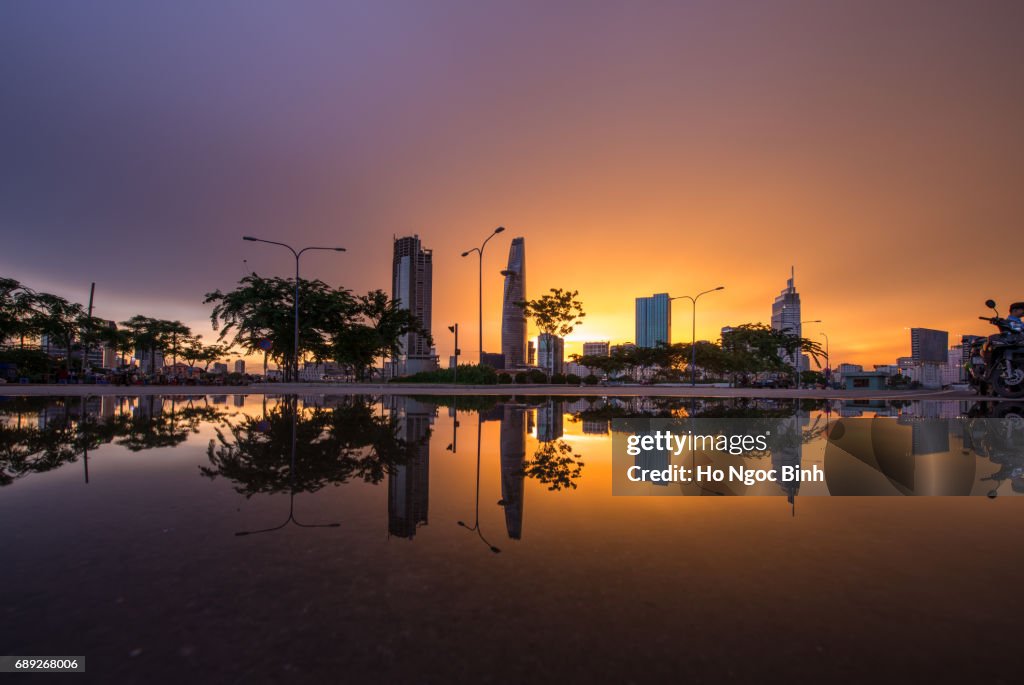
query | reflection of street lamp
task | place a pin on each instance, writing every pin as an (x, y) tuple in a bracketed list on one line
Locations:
[(693, 335), (476, 523), (291, 495), (297, 255), (480, 253)]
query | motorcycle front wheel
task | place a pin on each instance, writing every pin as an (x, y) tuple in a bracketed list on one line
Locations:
[(1006, 384)]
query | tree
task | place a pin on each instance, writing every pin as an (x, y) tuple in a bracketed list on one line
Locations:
[(555, 314), (57, 319), (155, 335), (263, 309), (757, 348), (371, 327), (17, 306)]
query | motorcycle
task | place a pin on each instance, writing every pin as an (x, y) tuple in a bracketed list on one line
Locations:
[(995, 364)]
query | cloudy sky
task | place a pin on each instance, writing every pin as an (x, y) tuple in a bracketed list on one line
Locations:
[(638, 147)]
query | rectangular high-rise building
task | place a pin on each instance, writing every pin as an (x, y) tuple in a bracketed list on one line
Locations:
[(412, 277), (786, 315), (550, 353), (653, 320), (513, 321), (596, 349)]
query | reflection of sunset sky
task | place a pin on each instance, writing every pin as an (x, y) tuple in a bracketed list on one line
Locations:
[(638, 150)]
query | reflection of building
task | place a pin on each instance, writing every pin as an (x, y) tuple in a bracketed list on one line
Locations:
[(653, 320), (595, 426), (786, 314), (550, 421), (409, 483), (513, 455), (513, 321), (412, 276)]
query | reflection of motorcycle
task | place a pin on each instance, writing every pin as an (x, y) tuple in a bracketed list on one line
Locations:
[(995, 365), (1000, 440)]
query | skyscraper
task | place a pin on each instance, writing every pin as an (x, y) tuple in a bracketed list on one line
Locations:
[(412, 276), (786, 314), (653, 320), (513, 321)]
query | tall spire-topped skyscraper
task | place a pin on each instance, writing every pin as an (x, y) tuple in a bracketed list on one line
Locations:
[(513, 321), (786, 313)]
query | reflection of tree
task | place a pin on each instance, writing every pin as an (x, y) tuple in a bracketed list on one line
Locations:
[(149, 428), (63, 433), (333, 446), (554, 465), (28, 449)]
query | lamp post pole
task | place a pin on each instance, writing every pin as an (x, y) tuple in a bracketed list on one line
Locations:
[(295, 365), (797, 354), (480, 301), (693, 331), (828, 364), (455, 370)]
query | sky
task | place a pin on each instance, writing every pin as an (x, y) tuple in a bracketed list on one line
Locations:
[(640, 147)]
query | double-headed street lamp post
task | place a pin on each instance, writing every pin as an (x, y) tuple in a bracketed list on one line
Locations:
[(480, 253), (693, 332), (298, 254)]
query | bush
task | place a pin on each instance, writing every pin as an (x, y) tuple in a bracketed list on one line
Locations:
[(504, 378), (538, 376), (522, 378), (591, 379), (572, 379), (469, 374), (558, 378)]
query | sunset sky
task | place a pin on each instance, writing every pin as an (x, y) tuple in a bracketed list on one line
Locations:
[(638, 147)]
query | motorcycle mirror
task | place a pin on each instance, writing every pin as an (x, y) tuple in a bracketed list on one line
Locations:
[(991, 304)]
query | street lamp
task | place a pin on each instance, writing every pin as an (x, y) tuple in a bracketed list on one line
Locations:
[(297, 255), (480, 254), (828, 364), (797, 355), (693, 335)]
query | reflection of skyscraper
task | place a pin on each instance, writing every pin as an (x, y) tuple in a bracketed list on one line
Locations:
[(513, 321), (549, 421), (409, 484), (412, 276), (653, 320), (786, 313), (513, 454)]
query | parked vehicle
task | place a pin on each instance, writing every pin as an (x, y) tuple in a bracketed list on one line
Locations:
[(995, 364)]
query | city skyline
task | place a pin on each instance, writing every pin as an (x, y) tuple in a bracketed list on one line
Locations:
[(850, 141)]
